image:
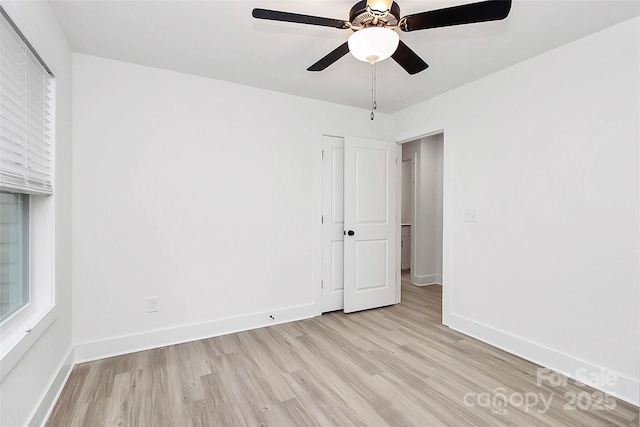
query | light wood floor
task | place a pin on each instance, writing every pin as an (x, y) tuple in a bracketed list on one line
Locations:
[(393, 366)]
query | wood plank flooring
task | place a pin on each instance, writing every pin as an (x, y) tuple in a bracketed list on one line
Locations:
[(395, 366)]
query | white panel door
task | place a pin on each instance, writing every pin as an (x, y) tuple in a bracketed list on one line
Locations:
[(332, 223), (371, 224)]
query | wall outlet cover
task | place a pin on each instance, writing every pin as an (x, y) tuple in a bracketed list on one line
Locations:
[(470, 215)]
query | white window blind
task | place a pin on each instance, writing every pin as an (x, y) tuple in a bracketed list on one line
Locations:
[(26, 116)]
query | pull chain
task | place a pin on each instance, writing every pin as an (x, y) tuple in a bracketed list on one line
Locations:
[(374, 103)]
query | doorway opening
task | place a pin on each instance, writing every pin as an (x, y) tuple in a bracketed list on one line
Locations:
[(421, 209)]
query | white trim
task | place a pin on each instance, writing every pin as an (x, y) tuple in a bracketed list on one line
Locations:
[(415, 160), (51, 396), (431, 279), (625, 388), (88, 351), (317, 224), (22, 342), (448, 184), (19, 333), (398, 224)]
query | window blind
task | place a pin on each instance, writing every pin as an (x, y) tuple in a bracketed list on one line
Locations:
[(26, 115)]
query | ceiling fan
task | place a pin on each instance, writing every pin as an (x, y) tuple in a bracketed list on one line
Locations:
[(374, 22)]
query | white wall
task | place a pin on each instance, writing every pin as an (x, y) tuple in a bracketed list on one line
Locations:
[(429, 210), (197, 191), (438, 152), (406, 209), (547, 152), (30, 388)]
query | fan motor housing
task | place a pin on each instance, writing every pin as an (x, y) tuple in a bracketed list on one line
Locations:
[(360, 16)]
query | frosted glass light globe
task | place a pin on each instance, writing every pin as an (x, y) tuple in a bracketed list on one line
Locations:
[(373, 44)]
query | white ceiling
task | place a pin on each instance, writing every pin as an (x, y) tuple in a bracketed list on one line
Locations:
[(220, 39)]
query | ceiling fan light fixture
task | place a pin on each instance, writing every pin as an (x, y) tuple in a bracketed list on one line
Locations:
[(373, 44)]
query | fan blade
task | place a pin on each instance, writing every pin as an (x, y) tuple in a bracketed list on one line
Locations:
[(275, 15), (491, 10), (329, 59), (408, 59)]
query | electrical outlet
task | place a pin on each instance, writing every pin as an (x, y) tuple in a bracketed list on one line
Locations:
[(470, 215), (153, 304)]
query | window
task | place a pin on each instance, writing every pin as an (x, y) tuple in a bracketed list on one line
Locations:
[(27, 303), (14, 253)]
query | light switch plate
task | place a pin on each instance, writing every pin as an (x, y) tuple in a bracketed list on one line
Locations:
[(153, 304)]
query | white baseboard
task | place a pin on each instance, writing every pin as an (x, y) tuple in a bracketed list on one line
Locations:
[(623, 388), (431, 279), (94, 350), (50, 398)]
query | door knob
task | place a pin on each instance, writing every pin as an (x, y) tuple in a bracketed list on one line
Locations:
[(350, 233)]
